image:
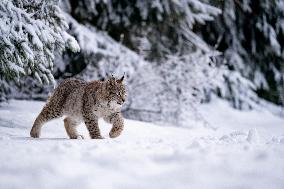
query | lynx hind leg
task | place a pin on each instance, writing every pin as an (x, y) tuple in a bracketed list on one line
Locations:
[(117, 124), (47, 114), (70, 126)]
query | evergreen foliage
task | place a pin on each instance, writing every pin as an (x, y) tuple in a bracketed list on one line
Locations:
[(30, 32), (252, 35), (165, 26)]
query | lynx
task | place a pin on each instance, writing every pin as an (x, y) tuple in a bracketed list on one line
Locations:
[(80, 101)]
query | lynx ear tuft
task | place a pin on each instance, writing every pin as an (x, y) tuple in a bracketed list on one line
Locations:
[(121, 79)]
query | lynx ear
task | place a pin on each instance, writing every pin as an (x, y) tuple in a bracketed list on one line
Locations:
[(121, 79)]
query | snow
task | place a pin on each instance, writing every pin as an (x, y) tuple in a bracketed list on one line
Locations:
[(244, 150)]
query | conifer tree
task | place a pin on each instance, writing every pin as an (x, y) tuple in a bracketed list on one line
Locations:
[(251, 34), (30, 32)]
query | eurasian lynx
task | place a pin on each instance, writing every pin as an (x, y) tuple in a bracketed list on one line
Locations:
[(85, 101)]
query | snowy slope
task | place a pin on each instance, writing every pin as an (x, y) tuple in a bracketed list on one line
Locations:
[(246, 150)]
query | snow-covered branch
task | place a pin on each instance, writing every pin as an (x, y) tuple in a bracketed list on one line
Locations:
[(30, 32)]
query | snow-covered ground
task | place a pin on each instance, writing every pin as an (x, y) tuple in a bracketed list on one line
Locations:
[(244, 150)]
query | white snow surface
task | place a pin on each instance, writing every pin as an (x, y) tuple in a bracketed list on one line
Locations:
[(237, 150)]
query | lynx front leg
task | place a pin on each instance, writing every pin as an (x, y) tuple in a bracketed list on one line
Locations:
[(91, 122), (117, 122), (90, 119), (70, 126), (93, 128)]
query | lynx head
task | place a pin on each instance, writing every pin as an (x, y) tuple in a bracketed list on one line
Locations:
[(116, 92)]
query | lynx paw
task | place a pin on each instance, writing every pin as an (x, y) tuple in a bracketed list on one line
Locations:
[(97, 137), (77, 137), (114, 134), (80, 137), (34, 133)]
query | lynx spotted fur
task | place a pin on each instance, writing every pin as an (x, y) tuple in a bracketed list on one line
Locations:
[(82, 101)]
